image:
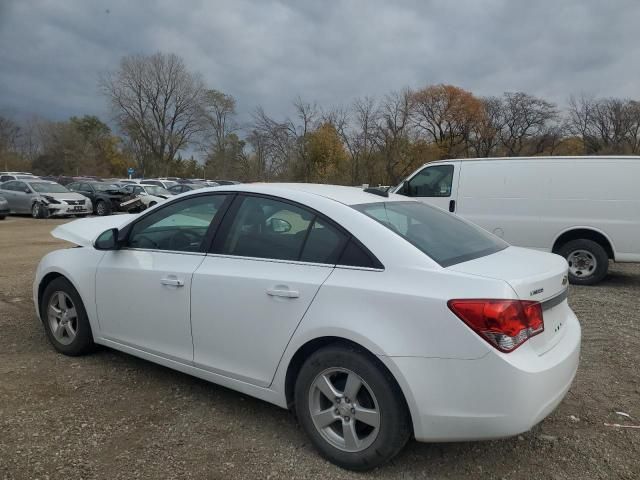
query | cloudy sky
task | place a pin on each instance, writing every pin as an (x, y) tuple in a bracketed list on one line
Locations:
[(268, 52)]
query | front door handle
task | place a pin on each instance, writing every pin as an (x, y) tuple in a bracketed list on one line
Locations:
[(452, 206), (283, 292), (172, 281)]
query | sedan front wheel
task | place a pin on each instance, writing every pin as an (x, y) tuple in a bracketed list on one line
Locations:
[(351, 408), (65, 318)]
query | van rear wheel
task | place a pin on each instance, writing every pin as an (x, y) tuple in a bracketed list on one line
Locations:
[(588, 261)]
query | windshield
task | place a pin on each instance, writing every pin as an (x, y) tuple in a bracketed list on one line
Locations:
[(155, 190), (46, 187), (103, 187), (444, 237)]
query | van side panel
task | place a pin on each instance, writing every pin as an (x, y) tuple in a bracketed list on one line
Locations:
[(533, 201), (504, 197), (600, 193)]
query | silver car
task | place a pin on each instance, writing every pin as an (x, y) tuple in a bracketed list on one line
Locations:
[(43, 199), (4, 207)]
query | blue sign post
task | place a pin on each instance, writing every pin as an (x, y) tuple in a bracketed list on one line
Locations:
[(130, 172)]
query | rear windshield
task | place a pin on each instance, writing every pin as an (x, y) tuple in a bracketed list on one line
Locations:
[(44, 187), (444, 237)]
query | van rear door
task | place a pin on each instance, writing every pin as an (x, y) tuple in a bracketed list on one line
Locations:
[(435, 184)]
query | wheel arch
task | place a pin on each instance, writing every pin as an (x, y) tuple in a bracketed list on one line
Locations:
[(305, 350), (50, 277), (587, 233)]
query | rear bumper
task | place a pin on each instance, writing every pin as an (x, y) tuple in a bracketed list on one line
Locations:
[(496, 396)]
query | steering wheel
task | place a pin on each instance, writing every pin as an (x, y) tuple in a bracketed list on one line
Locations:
[(143, 239), (184, 240)]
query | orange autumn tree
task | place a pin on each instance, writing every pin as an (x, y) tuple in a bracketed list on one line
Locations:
[(446, 116)]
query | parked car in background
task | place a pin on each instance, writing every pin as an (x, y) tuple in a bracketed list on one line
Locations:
[(6, 176), (105, 197), (184, 187), (225, 182), (43, 199), (4, 208), (283, 292), (583, 208), (166, 184), (143, 193), (155, 190)]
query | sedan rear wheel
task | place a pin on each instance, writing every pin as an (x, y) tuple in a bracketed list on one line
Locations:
[(348, 419), (351, 407)]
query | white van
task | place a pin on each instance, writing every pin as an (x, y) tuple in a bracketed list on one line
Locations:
[(586, 209)]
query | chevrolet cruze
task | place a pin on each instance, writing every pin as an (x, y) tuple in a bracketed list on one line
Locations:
[(374, 317)]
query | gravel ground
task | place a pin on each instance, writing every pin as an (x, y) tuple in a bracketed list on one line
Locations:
[(110, 415)]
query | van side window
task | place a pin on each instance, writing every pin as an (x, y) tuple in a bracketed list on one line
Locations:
[(435, 181)]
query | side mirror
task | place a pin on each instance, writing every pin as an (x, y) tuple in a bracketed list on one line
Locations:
[(405, 189), (107, 240), (27, 190)]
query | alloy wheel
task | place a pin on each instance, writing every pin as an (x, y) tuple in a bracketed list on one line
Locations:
[(344, 410), (62, 317)]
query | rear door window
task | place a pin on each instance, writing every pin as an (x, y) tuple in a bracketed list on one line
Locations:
[(446, 238), (264, 227), (267, 228)]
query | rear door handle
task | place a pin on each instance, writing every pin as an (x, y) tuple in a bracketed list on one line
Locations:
[(172, 281), (283, 292), (452, 205)]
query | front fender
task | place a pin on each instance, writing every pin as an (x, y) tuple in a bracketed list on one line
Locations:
[(78, 265)]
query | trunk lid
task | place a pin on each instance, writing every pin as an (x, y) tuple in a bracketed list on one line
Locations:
[(533, 275)]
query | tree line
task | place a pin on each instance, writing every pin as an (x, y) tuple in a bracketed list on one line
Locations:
[(162, 111)]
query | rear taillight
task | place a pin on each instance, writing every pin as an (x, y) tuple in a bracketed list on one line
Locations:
[(505, 324)]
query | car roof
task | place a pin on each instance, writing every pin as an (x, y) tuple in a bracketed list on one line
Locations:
[(338, 193)]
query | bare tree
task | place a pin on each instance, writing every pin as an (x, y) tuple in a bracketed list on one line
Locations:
[(605, 125), (220, 123), (525, 117), (357, 132), (276, 142), (9, 135), (156, 101), (308, 115), (485, 131), (393, 131)]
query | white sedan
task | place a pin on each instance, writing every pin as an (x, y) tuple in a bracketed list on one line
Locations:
[(376, 318)]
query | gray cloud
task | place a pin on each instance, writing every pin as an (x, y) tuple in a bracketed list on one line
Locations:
[(51, 53)]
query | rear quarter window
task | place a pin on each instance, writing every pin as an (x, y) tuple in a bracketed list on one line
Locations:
[(444, 237)]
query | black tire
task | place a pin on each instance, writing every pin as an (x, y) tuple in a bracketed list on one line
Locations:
[(38, 210), (102, 208), (83, 341), (593, 252), (394, 420), (2, 217)]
